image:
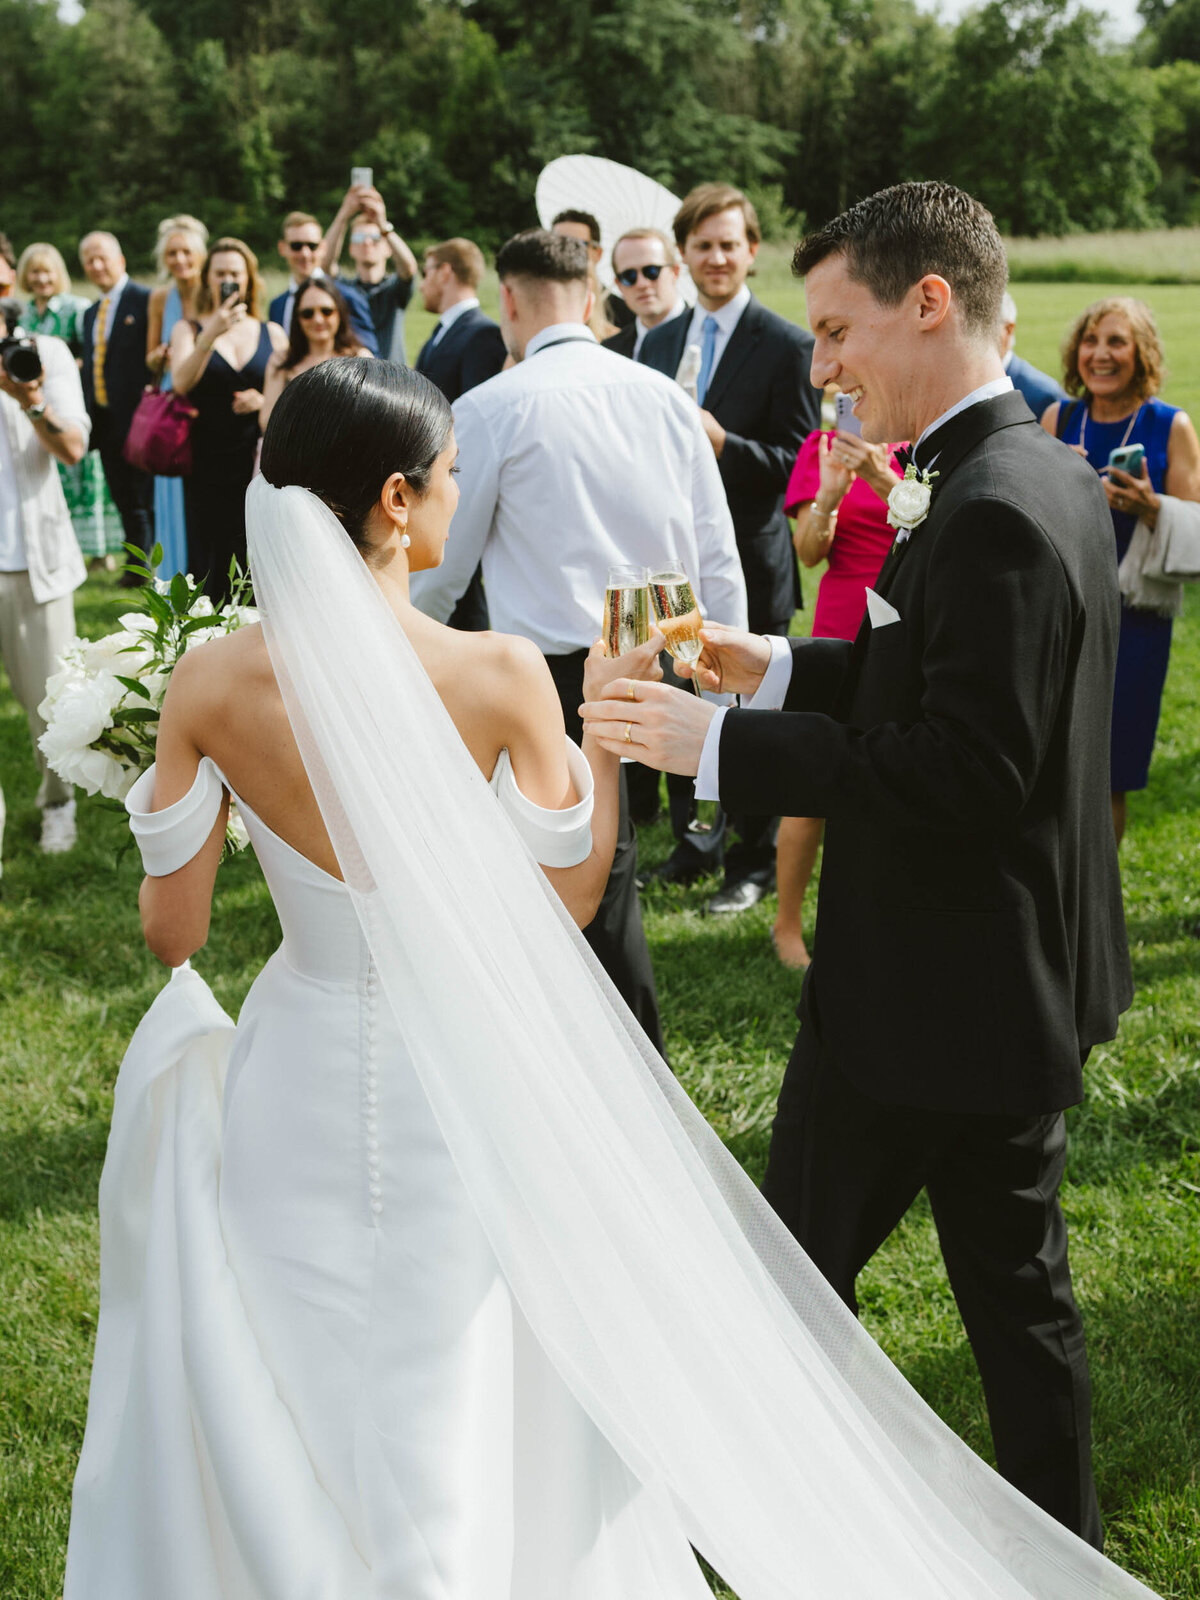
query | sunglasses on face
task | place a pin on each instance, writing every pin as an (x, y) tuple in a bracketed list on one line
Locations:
[(630, 276), (365, 236), (296, 245), (308, 312)]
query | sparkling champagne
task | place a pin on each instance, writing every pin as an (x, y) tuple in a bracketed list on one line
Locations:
[(678, 616), (626, 612)]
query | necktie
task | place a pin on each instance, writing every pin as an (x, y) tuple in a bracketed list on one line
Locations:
[(708, 350), (100, 346)]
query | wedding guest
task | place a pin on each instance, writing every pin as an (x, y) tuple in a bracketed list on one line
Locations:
[(1113, 370), (220, 363), (374, 245), (838, 495), (320, 329), (757, 406), (608, 313), (179, 252), (8, 266), (42, 422), (1039, 388), (571, 462), (300, 245), (115, 376), (646, 269), (465, 348), (55, 312)]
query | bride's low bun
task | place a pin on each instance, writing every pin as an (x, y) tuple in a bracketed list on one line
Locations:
[(343, 428)]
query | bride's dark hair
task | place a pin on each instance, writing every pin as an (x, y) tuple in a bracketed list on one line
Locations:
[(341, 429)]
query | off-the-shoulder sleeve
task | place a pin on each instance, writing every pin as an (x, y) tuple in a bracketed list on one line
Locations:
[(557, 838), (168, 839)]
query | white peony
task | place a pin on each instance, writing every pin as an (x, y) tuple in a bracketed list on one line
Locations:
[(124, 652), (235, 829), (79, 712), (95, 771), (908, 503)]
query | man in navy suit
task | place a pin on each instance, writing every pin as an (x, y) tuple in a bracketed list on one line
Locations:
[(758, 406), (114, 377), (300, 245), (465, 349), (1038, 389)]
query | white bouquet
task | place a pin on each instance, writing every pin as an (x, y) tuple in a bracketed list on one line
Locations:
[(102, 706)]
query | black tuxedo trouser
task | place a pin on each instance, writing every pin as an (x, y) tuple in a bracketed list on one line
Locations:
[(615, 933), (470, 615), (843, 1170), (133, 495), (753, 855)]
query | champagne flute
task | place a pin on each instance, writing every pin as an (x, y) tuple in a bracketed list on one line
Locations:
[(678, 615), (626, 622)]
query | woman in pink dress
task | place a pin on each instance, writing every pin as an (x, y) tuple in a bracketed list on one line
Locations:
[(837, 494)]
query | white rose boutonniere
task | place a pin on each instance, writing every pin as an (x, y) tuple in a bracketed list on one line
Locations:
[(908, 503)]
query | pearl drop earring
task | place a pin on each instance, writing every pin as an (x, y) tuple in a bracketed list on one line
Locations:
[(405, 541)]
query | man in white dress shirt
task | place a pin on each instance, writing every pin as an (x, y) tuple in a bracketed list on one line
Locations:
[(42, 421), (571, 462)]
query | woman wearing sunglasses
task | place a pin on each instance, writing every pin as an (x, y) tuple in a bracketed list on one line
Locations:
[(320, 329)]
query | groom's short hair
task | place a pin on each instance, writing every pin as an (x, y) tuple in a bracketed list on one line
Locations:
[(544, 257), (894, 238)]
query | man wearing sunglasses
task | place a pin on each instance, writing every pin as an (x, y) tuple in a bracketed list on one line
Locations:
[(375, 246), (646, 270), (300, 246)]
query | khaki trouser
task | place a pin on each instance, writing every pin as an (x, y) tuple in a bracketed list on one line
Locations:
[(32, 637)]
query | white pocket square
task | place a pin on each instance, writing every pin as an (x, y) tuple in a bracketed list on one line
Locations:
[(880, 613)]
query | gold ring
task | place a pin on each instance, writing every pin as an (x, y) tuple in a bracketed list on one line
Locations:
[(629, 733), (629, 694)]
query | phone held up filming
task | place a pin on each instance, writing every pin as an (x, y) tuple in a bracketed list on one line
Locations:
[(843, 410), (1127, 458)]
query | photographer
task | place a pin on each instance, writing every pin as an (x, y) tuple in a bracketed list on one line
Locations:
[(43, 420)]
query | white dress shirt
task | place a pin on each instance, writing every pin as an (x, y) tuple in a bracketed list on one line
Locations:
[(36, 535), (450, 316), (727, 317), (114, 294), (769, 695), (570, 463), (677, 310)]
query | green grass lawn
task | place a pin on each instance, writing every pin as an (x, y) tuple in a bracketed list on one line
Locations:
[(75, 977)]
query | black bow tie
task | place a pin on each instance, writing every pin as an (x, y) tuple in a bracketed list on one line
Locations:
[(903, 457)]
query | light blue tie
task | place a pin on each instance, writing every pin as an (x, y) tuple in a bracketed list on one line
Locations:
[(708, 350)]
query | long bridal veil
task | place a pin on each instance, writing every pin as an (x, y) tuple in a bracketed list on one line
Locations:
[(671, 1300)]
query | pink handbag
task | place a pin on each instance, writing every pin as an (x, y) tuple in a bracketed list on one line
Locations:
[(160, 435)]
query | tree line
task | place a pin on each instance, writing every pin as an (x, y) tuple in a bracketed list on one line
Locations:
[(238, 109)]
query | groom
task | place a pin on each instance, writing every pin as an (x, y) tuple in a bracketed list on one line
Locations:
[(971, 937)]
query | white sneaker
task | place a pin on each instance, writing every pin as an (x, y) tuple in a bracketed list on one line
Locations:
[(58, 829)]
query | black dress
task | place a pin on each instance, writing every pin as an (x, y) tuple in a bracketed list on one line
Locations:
[(223, 450)]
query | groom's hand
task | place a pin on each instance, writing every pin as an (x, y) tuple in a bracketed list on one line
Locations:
[(657, 725), (731, 662)]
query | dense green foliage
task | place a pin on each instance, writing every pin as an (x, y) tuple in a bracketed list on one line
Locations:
[(239, 109), (75, 977)]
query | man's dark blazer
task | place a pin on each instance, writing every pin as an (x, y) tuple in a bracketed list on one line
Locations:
[(972, 940), (1039, 388), (361, 320), (624, 340), (469, 353), (125, 372), (762, 395)]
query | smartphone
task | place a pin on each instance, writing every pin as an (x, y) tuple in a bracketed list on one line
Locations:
[(1128, 458), (362, 177), (843, 410), (230, 289)]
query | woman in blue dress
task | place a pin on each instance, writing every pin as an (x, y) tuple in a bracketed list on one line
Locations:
[(180, 250), (1113, 366)]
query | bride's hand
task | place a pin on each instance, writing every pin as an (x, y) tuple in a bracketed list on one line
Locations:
[(600, 670)]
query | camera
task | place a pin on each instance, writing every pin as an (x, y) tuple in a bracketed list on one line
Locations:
[(19, 355)]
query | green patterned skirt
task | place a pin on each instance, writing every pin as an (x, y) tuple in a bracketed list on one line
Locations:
[(93, 516)]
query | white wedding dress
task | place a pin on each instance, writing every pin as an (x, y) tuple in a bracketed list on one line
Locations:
[(426, 1281)]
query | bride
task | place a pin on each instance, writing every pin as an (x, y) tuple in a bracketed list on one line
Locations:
[(426, 1281)]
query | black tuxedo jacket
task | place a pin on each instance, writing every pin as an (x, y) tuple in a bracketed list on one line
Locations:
[(469, 353), (762, 395), (971, 940), (624, 341), (125, 372)]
